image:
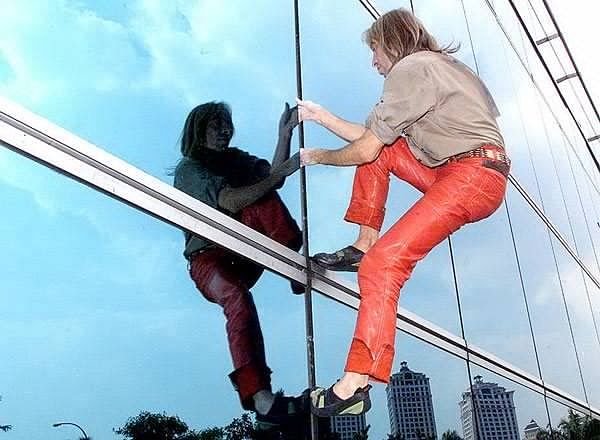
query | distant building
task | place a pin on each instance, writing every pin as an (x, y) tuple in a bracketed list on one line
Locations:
[(410, 405), (531, 430), (495, 409), (347, 426)]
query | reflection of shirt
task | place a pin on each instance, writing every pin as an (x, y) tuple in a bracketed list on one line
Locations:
[(232, 167), (196, 180), (439, 104)]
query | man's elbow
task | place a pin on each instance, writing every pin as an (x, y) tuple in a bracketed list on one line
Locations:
[(226, 201), (368, 155)]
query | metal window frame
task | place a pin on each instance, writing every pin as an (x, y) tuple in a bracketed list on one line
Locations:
[(50, 145)]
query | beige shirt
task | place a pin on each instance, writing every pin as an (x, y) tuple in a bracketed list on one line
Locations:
[(439, 104)]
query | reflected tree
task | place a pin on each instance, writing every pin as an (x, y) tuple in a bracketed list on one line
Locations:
[(209, 434), (451, 435), (593, 429), (549, 435), (395, 437), (240, 429), (423, 436), (574, 427), (362, 435), (5, 428), (149, 426)]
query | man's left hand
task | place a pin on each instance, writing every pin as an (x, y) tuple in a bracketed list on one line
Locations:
[(309, 156)]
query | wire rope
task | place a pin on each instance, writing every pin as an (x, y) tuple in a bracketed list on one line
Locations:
[(516, 251), (513, 239), (562, 66), (562, 192), (463, 335), (554, 83), (570, 223), (556, 265), (587, 224), (539, 90)]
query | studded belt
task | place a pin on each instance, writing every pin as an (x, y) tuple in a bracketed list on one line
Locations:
[(496, 159)]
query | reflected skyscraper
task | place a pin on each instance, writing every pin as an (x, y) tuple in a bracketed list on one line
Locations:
[(531, 430), (348, 426), (495, 409), (410, 405)]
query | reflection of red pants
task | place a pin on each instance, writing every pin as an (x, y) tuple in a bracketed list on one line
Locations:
[(225, 278), (454, 194)]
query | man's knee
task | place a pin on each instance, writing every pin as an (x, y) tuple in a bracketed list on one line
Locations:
[(385, 266), (221, 289), (372, 267)]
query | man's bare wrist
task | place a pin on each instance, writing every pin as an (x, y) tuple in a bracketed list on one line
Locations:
[(319, 155), (325, 119)]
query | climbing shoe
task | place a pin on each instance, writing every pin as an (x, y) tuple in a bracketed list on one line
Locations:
[(344, 260), (325, 403)]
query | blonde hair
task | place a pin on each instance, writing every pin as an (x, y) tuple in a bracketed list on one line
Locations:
[(400, 33)]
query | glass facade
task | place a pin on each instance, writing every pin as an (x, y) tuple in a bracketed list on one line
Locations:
[(100, 319)]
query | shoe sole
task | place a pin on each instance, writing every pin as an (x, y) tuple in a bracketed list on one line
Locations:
[(359, 407), (352, 268)]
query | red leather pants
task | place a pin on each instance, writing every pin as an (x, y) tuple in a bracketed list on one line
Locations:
[(453, 194), (225, 278)]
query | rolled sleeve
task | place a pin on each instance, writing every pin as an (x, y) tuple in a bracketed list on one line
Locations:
[(408, 94)]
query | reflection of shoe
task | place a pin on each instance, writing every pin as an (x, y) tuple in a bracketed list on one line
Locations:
[(297, 288), (347, 259), (285, 410), (325, 403)]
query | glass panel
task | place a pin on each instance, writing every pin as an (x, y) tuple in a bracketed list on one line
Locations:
[(546, 306), (99, 295), (100, 319), (585, 331)]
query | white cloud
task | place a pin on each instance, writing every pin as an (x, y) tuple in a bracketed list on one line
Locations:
[(13, 170), (573, 286), (62, 50), (195, 44)]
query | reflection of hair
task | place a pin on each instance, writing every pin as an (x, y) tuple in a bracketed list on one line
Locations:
[(400, 33), (193, 137)]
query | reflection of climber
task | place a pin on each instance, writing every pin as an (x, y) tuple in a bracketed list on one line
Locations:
[(434, 127), (242, 186)]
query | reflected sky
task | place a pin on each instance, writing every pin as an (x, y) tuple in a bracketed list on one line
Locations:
[(99, 319)]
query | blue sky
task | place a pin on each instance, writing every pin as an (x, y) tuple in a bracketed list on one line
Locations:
[(99, 318)]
